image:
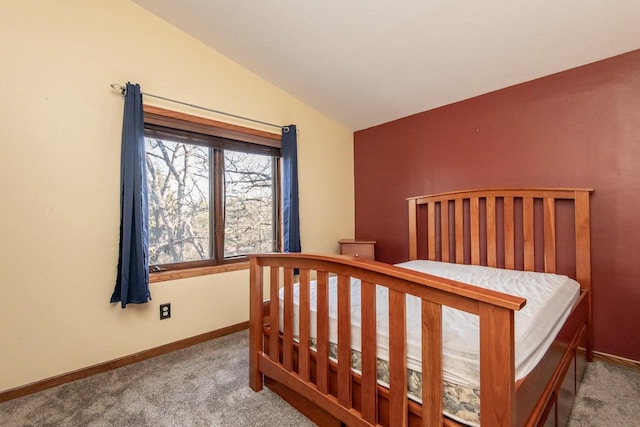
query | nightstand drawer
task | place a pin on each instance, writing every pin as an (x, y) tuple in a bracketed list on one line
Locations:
[(358, 248)]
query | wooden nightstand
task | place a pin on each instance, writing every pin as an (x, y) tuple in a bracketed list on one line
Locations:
[(358, 248)]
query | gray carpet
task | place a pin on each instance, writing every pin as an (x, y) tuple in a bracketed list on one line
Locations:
[(608, 396), (203, 385), (206, 385)]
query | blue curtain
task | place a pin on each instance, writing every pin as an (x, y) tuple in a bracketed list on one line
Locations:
[(291, 220), (132, 283)]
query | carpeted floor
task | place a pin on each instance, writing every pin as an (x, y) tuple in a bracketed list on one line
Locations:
[(608, 396), (203, 385), (206, 385)]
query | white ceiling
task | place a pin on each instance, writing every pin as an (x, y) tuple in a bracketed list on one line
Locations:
[(367, 62)]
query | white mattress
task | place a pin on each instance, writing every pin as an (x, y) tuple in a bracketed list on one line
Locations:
[(550, 298)]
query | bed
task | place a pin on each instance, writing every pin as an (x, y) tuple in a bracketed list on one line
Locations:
[(365, 343)]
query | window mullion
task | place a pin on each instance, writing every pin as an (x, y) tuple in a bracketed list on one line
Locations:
[(212, 204), (218, 205)]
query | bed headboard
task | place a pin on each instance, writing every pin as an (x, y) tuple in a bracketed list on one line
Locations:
[(518, 229)]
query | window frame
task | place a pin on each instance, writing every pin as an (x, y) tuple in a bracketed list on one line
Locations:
[(227, 136)]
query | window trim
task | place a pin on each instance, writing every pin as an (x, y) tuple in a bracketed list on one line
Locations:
[(183, 273), (157, 116), (182, 121)]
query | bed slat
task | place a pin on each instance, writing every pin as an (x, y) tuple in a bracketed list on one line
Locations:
[(444, 218), (549, 235), (431, 221), (459, 221), (492, 254), (274, 313), (303, 353), (322, 359), (528, 233), (287, 338), (344, 336), (413, 230), (397, 359), (509, 234), (474, 215), (431, 364), (369, 353)]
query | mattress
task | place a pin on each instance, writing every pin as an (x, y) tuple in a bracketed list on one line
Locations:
[(550, 298)]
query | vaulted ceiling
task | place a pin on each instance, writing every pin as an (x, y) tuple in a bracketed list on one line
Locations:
[(367, 62)]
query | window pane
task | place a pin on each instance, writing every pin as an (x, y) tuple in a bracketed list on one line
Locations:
[(178, 178), (249, 204)]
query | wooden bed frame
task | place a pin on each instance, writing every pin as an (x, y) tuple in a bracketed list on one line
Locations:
[(521, 229)]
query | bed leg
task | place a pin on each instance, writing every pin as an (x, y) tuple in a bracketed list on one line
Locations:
[(590, 331), (589, 348), (256, 381)]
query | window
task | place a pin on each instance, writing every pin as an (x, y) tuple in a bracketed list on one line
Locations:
[(213, 191)]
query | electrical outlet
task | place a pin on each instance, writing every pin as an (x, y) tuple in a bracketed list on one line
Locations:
[(165, 311)]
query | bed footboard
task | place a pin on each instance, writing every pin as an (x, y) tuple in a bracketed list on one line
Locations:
[(306, 371)]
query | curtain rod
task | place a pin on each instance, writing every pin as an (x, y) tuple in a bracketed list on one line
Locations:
[(123, 90)]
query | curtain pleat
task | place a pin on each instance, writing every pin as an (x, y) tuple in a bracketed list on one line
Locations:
[(291, 209), (132, 282)]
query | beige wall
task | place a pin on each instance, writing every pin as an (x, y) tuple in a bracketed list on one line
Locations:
[(59, 181)]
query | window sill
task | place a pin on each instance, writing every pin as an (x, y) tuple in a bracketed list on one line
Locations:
[(163, 276)]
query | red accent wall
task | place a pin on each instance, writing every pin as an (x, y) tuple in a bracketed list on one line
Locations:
[(578, 128)]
